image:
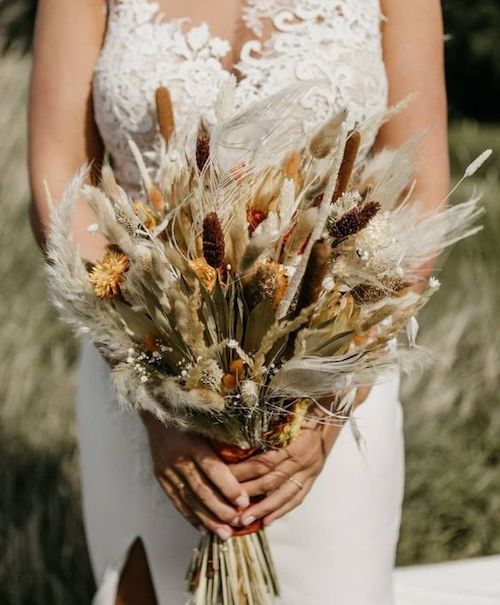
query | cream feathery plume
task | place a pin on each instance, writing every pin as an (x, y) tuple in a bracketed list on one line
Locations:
[(475, 165), (224, 107), (109, 224), (370, 127), (143, 171), (397, 174), (322, 142), (471, 170), (187, 320), (70, 289)]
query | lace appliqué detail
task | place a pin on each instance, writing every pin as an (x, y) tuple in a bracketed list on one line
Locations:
[(335, 41)]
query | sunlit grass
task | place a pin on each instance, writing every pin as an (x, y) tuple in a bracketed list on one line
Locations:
[(452, 411)]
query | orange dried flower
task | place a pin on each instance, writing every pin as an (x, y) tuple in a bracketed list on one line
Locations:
[(205, 273), (229, 381), (107, 274), (237, 366)]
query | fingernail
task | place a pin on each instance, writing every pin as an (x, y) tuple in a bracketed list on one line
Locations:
[(236, 521), (248, 520), (224, 533), (242, 501)]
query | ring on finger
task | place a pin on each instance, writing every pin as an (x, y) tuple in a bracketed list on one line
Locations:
[(296, 482), (180, 486)]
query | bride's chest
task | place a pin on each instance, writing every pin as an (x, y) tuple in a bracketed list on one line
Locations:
[(283, 41)]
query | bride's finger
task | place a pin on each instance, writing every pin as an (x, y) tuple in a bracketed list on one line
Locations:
[(220, 475), (170, 490), (273, 479), (208, 519), (258, 465), (290, 505), (295, 487), (207, 494)]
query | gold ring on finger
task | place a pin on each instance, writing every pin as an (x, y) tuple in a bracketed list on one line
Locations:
[(295, 482)]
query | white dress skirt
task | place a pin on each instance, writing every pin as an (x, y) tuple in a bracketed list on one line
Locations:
[(338, 547)]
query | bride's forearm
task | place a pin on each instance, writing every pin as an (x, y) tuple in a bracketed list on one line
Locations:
[(62, 133)]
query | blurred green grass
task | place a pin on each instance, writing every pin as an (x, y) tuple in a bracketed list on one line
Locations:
[(452, 506)]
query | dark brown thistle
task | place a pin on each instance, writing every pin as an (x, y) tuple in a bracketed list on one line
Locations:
[(213, 241), (347, 165), (202, 147), (352, 222), (164, 113), (316, 269)]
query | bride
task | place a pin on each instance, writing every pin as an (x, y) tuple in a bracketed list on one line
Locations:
[(332, 510)]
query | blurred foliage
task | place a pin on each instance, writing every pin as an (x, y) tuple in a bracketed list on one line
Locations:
[(472, 51), (17, 18), (473, 58)]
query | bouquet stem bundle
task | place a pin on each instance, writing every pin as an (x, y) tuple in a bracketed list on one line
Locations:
[(233, 572)]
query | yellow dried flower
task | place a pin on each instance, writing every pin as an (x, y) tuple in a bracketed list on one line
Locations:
[(291, 429), (107, 274), (146, 215), (205, 273)]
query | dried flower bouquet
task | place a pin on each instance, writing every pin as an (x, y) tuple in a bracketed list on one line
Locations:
[(252, 278)]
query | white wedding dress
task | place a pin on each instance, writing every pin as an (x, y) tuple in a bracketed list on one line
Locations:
[(338, 547)]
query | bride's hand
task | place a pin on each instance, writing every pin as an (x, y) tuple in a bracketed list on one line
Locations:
[(285, 476), (200, 485)]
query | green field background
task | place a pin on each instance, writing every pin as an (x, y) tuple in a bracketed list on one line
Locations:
[(452, 411)]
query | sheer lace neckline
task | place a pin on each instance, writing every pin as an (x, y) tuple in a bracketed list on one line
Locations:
[(258, 30)]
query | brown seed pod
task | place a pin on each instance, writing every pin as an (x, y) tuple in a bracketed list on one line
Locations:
[(213, 241), (346, 168), (312, 283), (202, 147), (164, 112), (352, 221)]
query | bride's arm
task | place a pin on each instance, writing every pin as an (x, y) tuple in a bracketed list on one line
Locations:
[(413, 55), (62, 132), (414, 58)]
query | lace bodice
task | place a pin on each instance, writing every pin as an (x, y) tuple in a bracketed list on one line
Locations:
[(336, 41)]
